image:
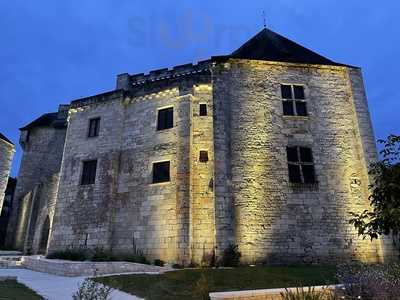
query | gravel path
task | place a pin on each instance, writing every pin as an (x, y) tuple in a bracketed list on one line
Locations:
[(54, 287)]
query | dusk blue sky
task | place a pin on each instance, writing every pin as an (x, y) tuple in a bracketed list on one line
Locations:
[(57, 51)]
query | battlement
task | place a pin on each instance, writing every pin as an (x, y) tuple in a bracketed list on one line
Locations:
[(126, 81)]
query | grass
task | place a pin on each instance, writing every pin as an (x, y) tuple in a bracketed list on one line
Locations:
[(12, 290), (182, 284)]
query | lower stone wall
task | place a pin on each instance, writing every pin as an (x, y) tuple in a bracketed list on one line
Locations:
[(267, 294), (72, 268)]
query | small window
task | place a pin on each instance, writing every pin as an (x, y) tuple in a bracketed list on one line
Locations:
[(165, 118), (94, 127), (293, 100), (203, 109), (203, 156), (161, 172), (89, 172), (300, 165)]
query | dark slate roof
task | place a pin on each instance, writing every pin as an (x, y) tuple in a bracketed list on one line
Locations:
[(270, 46), (49, 119), (3, 137)]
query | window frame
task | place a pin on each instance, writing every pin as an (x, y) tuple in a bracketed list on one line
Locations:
[(204, 152), (300, 164), (293, 100), (158, 117), (153, 178), (83, 178), (206, 109), (97, 131)]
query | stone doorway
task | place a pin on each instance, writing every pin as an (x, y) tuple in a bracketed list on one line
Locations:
[(44, 237)]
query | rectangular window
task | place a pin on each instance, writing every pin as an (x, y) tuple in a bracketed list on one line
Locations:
[(203, 110), (161, 172), (300, 165), (203, 156), (165, 118), (89, 172), (94, 127), (293, 100)]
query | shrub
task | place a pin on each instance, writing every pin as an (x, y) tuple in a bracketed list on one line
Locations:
[(159, 262), (91, 290), (308, 294), (370, 281), (98, 255), (231, 256), (177, 266), (69, 254), (136, 257), (102, 255), (203, 287)]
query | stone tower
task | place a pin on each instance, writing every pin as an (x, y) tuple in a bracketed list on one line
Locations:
[(267, 148), (42, 142), (7, 150)]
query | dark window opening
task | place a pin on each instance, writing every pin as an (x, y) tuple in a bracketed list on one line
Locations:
[(292, 154), (298, 92), (308, 173), (203, 156), (286, 91), (300, 165), (293, 97), (306, 155), (165, 118), (294, 173), (203, 109), (161, 172), (89, 172), (301, 108), (94, 127), (288, 109)]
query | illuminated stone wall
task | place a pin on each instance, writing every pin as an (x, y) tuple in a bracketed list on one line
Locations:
[(7, 151), (124, 210), (41, 159), (275, 221), (241, 195), (42, 207)]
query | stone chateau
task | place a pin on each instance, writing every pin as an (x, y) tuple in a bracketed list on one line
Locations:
[(267, 148)]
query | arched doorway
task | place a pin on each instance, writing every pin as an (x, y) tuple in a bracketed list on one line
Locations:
[(44, 237)]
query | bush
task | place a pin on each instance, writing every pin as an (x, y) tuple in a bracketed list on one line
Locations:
[(370, 281), (159, 263), (69, 254), (98, 255), (231, 256), (91, 290), (203, 287), (309, 294), (136, 257), (177, 266), (102, 255)]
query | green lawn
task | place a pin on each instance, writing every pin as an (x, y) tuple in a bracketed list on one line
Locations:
[(182, 284), (12, 290)]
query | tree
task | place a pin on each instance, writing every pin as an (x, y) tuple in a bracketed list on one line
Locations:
[(384, 216)]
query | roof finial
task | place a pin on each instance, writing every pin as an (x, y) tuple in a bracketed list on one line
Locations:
[(264, 19)]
